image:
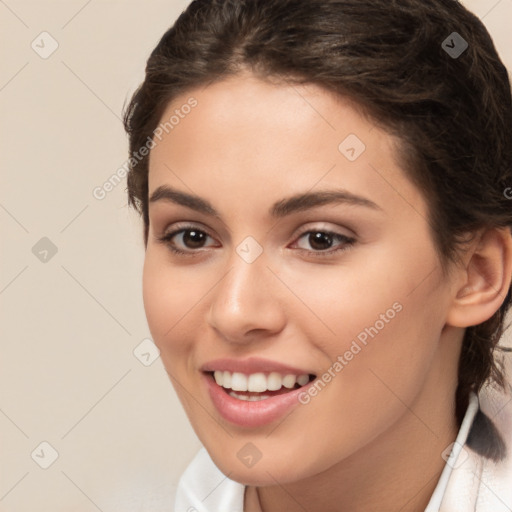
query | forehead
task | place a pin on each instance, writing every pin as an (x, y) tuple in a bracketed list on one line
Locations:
[(253, 136)]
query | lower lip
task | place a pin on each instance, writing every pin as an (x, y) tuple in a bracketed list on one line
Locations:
[(251, 414)]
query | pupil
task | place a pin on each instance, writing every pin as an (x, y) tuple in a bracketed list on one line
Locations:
[(193, 239), (320, 240)]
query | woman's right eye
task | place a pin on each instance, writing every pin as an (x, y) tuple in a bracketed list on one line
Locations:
[(186, 240)]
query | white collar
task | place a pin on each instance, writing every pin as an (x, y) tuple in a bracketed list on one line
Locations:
[(455, 455)]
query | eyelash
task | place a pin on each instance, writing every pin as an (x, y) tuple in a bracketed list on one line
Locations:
[(348, 242)]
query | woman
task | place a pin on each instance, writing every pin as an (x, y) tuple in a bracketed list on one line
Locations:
[(328, 252)]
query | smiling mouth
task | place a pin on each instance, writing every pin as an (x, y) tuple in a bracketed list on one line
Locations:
[(258, 386)]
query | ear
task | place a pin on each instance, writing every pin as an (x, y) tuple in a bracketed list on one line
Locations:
[(483, 280)]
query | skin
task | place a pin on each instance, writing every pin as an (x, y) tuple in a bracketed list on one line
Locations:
[(372, 439)]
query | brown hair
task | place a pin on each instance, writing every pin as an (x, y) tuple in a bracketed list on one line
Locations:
[(452, 114)]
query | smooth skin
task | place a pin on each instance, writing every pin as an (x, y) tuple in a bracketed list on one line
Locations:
[(372, 439)]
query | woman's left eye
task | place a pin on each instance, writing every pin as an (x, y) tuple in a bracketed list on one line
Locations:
[(324, 242)]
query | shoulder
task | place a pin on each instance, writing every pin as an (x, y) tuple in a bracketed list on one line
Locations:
[(204, 488)]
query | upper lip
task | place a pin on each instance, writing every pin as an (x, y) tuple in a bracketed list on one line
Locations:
[(252, 365)]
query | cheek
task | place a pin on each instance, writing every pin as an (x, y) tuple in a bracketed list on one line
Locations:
[(170, 295), (172, 303), (362, 298), (383, 317)]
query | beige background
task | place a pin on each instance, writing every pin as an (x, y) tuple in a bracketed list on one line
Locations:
[(70, 324)]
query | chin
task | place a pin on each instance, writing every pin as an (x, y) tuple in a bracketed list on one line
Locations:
[(265, 472)]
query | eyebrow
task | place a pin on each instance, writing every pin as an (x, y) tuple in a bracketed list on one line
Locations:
[(282, 208)]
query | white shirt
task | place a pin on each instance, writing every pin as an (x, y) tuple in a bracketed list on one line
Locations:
[(468, 483)]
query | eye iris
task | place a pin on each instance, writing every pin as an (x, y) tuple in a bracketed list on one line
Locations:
[(193, 239), (320, 241)]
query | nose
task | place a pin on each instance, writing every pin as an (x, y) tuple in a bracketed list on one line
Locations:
[(245, 304)]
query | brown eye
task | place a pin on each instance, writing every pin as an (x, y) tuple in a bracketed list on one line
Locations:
[(322, 241), (193, 238), (187, 240)]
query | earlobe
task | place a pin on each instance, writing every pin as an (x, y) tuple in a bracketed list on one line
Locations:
[(485, 279)]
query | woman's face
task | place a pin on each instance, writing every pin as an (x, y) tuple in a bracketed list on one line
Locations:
[(303, 250)]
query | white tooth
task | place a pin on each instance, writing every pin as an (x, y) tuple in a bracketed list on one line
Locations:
[(218, 377), (239, 397), (226, 380), (248, 398), (257, 398), (238, 382), (274, 381), (257, 382), (289, 381), (302, 380)]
